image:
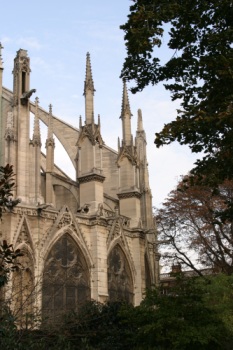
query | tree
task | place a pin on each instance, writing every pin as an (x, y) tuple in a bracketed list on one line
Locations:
[(199, 74), (190, 222), (100, 326), (6, 186), (7, 254), (8, 261), (186, 318)]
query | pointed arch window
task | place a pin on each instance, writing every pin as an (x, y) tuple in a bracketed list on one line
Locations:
[(147, 273), (120, 282), (66, 280), (23, 291)]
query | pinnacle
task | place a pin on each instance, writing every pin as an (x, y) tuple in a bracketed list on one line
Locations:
[(36, 128), (50, 123), (1, 61), (88, 84), (125, 108), (140, 123)]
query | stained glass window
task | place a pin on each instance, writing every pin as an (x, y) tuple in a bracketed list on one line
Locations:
[(120, 283), (23, 291), (66, 280)]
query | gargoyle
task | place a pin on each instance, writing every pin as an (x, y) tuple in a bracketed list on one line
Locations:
[(26, 95)]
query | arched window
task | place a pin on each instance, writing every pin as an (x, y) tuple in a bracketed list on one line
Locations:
[(66, 281), (120, 282), (147, 273), (23, 291)]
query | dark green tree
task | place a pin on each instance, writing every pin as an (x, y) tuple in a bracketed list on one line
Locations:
[(100, 326), (6, 187), (187, 317), (199, 74), (8, 255)]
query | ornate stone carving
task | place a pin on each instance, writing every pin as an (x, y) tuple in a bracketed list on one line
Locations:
[(132, 194), (92, 132), (91, 177), (26, 95), (129, 152), (10, 120), (10, 132), (50, 142), (65, 220)]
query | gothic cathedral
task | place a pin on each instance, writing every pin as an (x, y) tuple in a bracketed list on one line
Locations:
[(92, 238)]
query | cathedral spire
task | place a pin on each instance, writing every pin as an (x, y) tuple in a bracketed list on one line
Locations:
[(126, 117), (36, 128), (89, 92)]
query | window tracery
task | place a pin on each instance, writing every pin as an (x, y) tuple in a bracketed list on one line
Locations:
[(120, 283), (23, 291), (66, 278)]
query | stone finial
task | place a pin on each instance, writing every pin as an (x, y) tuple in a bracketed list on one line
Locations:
[(50, 139), (36, 128), (1, 62), (140, 123), (50, 124), (80, 122), (126, 117), (125, 107), (89, 93), (88, 84)]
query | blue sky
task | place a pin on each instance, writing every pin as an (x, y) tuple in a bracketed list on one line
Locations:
[(57, 35)]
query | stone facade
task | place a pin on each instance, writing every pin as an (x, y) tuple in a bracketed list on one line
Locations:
[(89, 238)]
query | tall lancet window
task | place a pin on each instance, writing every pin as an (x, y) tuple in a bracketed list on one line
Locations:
[(120, 282), (66, 280), (147, 273), (23, 82), (23, 291)]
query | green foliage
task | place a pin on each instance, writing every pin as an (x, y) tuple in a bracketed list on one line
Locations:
[(96, 326), (219, 297), (183, 319), (100, 326), (7, 254), (193, 314), (199, 74), (6, 186), (8, 261)]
